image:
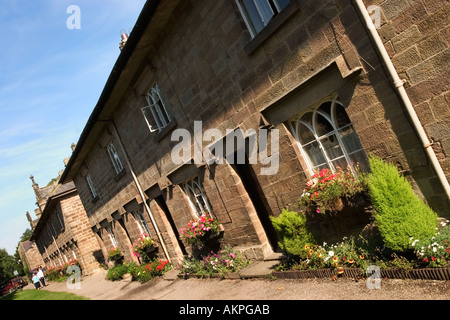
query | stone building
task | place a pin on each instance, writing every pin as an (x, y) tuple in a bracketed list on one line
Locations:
[(62, 232), (309, 75), (30, 255)]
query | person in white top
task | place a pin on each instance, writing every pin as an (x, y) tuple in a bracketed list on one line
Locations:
[(40, 274)]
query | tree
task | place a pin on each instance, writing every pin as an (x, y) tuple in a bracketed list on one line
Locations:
[(7, 265), (26, 235)]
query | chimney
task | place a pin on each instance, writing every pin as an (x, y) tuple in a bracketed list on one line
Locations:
[(35, 187), (124, 37)]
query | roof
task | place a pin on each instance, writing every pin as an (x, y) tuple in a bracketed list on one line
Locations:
[(59, 191), (144, 35)]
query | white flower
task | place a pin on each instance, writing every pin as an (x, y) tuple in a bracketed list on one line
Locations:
[(331, 253), (414, 242), (434, 249)]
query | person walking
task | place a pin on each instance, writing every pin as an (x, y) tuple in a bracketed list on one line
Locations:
[(40, 274), (35, 280)]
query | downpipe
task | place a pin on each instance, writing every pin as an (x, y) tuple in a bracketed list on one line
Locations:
[(399, 87)]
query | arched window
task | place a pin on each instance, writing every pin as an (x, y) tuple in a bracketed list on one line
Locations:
[(157, 109), (196, 197), (326, 138)]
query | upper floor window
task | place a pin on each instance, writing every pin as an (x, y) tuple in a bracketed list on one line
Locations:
[(156, 114), (91, 186), (115, 158), (196, 197), (326, 138), (257, 13)]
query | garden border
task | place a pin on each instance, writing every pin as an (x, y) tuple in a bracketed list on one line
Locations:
[(418, 274)]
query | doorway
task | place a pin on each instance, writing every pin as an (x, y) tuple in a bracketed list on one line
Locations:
[(163, 206), (257, 197)]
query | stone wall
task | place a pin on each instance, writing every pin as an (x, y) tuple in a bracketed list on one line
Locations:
[(209, 69)]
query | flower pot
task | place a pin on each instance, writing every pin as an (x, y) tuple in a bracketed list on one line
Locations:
[(210, 242), (150, 249), (118, 260)]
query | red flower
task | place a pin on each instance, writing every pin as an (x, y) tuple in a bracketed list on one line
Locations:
[(433, 258)]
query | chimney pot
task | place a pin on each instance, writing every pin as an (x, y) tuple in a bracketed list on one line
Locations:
[(124, 37)]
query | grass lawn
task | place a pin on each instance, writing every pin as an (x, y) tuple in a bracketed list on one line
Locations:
[(41, 295)]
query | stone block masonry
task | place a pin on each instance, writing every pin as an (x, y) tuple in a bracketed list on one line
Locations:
[(208, 68)]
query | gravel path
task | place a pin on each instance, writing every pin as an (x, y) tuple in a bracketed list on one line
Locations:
[(96, 287)]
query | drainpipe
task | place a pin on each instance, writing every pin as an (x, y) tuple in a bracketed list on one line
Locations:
[(147, 207), (399, 87)]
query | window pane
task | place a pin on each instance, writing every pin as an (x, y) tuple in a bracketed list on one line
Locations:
[(342, 118), (164, 118), (359, 158), (314, 154), (340, 163), (305, 134), (253, 15), (350, 139), (331, 147), (264, 10), (281, 4), (326, 108), (307, 118), (323, 126)]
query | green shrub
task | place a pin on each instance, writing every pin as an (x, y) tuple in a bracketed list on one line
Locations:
[(399, 213), (291, 229), (117, 272)]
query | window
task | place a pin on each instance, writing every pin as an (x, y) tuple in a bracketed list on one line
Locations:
[(326, 138), (112, 236), (142, 223), (257, 13), (197, 197), (91, 185), (115, 158), (155, 110)]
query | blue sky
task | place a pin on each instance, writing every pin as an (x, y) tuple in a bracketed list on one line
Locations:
[(50, 80)]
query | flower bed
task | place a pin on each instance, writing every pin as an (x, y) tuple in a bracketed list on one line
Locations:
[(422, 274), (213, 265), (394, 215), (59, 273), (141, 273), (150, 270)]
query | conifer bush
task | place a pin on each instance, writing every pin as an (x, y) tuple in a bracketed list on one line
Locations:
[(292, 232), (399, 213)]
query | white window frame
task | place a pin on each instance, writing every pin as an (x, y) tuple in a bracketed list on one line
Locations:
[(294, 126), (91, 186), (272, 4), (112, 236), (195, 199), (114, 158), (157, 108), (141, 222)]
